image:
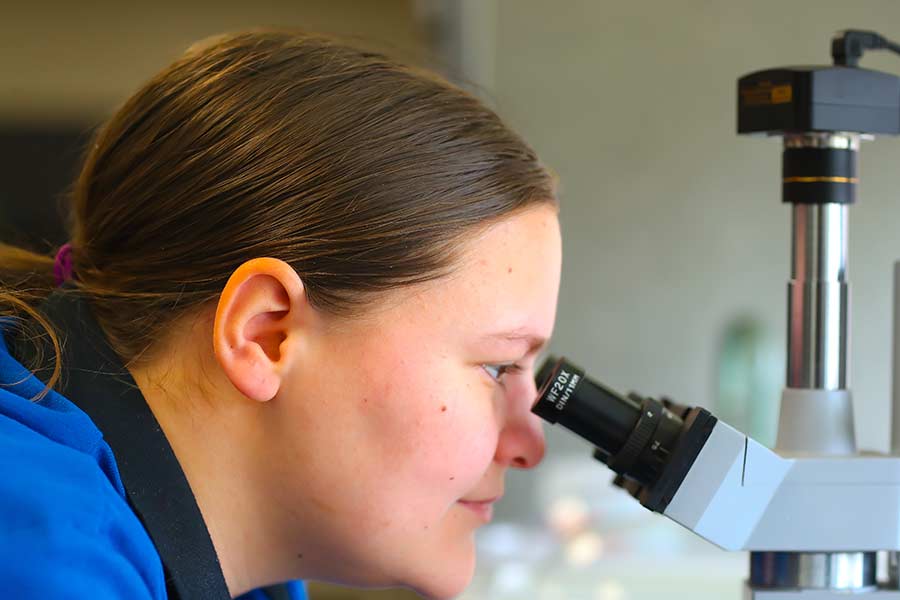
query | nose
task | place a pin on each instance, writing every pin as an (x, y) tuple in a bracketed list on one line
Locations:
[(521, 443)]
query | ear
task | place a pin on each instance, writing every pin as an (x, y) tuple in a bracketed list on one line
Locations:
[(256, 330)]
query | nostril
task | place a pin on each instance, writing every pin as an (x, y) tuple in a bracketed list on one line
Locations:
[(520, 462)]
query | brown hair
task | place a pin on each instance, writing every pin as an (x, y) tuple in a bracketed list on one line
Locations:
[(362, 173)]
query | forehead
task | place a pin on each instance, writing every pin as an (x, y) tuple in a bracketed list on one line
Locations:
[(507, 280)]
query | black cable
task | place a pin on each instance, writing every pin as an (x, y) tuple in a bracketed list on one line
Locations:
[(847, 47), (892, 46)]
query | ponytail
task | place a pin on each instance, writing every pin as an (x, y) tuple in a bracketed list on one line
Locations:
[(26, 278)]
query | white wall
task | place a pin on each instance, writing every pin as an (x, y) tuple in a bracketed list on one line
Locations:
[(673, 224)]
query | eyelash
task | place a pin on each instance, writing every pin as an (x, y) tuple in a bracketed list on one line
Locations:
[(501, 370)]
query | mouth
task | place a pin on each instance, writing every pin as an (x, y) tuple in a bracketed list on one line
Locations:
[(484, 509)]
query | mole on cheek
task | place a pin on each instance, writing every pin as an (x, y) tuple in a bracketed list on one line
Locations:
[(509, 270), (323, 506), (444, 408)]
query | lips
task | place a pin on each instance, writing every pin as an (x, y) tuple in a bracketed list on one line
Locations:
[(482, 508)]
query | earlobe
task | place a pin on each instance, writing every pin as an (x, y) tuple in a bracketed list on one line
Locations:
[(255, 326)]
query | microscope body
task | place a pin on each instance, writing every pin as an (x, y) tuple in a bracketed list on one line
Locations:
[(813, 524), (814, 513), (741, 495)]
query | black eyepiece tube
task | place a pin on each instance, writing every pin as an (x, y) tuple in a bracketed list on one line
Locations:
[(590, 409), (634, 436)]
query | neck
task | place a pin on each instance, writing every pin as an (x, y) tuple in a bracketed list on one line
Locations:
[(214, 445)]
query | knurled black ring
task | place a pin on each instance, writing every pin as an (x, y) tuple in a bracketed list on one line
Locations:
[(624, 459)]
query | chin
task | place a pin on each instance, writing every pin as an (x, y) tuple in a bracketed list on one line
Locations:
[(445, 579), (443, 590)]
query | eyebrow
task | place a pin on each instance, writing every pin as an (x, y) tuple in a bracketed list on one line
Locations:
[(535, 342)]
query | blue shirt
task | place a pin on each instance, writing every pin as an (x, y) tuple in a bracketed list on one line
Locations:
[(75, 522)]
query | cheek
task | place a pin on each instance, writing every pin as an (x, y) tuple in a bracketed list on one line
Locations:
[(437, 423)]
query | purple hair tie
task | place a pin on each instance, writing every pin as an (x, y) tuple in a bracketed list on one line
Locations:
[(62, 265)]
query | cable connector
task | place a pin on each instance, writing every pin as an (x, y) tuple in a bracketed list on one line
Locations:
[(848, 46)]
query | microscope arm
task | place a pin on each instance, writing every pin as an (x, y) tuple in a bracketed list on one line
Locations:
[(740, 495)]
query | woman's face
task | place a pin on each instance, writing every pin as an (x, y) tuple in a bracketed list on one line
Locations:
[(400, 430)]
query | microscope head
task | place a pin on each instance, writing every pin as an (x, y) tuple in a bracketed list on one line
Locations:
[(650, 444)]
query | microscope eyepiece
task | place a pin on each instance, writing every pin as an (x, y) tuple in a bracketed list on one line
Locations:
[(635, 436)]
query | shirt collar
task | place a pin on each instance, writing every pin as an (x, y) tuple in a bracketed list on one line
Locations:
[(94, 378)]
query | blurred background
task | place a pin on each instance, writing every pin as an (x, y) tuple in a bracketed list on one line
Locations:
[(676, 245)]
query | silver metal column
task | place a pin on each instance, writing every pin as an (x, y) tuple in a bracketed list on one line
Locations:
[(817, 292), (894, 557), (895, 404), (817, 298), (817, 349), (813, 570), (893, 571)]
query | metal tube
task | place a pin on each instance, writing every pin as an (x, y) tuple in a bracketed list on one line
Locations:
[(893, 571), (813, 570), (895, 406), (818, 298)]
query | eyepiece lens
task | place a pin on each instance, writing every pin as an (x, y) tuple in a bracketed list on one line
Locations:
[(634, 434)]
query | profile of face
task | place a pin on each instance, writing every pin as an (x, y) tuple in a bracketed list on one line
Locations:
[(390, 433)]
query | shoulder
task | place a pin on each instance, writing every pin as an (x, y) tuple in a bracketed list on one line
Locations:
[(67, 532)]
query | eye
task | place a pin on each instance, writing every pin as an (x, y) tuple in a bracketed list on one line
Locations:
[(496, 372)]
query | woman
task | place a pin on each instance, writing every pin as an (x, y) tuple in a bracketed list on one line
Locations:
[(304, 293)]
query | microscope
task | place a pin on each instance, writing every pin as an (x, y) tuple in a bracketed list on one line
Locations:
[(816, 515)]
